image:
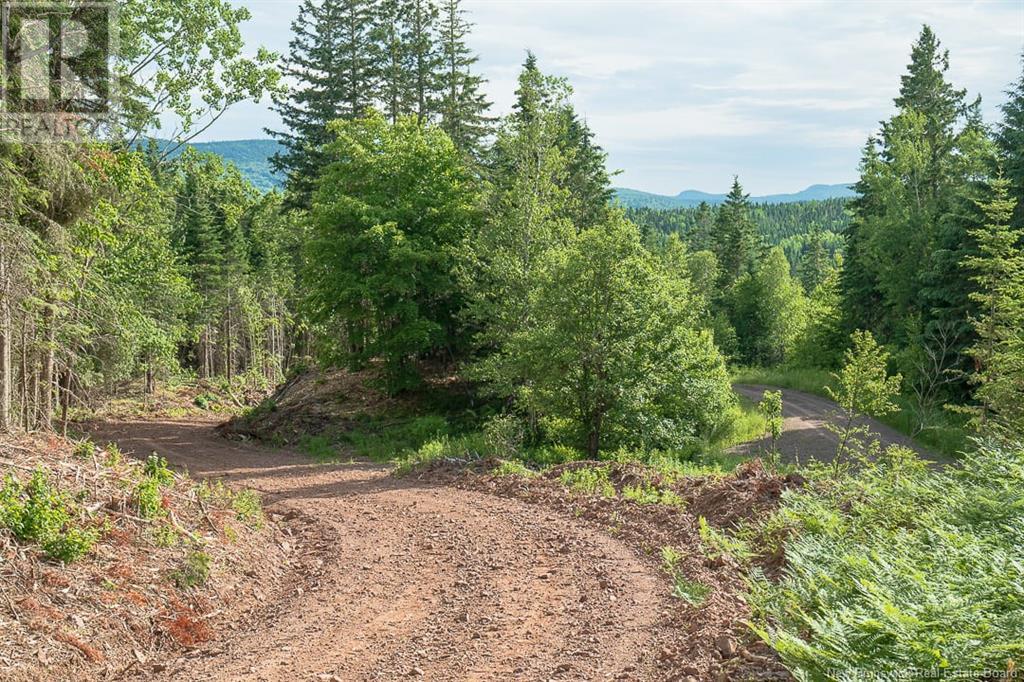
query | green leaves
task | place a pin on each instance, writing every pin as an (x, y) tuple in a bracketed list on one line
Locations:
[(917, 574), (388, 218)]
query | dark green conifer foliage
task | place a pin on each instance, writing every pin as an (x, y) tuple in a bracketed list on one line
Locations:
[(463, 107), (1010, 139), (330, 57), (737, 243)]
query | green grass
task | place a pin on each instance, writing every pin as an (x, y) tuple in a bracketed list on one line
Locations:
[(901, 567), (946, 433), (799, 379)]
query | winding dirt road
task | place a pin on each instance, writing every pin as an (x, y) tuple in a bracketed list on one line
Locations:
[(804, 434), (424, 581)]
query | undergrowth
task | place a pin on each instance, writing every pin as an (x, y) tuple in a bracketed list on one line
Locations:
[(38, 513), (901, 567)]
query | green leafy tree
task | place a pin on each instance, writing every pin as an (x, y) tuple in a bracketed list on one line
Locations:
[(386, 223), (767, 309), (612, 348), (185, 57), (770, 408)]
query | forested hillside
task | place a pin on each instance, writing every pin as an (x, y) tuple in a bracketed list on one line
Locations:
[(632, 198), (252, 157), (456, 291)]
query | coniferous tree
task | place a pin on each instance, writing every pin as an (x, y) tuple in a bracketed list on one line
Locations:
[(737, 242), (392, 56), (463, 106), (587, 179), (1010, 139), (909, 228), (330, 58), (425, 58), (998, 270), (814, 265)]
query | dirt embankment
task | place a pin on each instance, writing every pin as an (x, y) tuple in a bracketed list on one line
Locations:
[(155, 584), (449, 576)]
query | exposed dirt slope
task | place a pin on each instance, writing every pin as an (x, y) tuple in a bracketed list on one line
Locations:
[(804, 434), (431, 581)]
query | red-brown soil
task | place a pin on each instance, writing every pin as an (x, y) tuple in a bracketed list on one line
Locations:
[(451, 575)]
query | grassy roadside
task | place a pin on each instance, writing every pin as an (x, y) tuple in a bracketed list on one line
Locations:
[(944, 432)]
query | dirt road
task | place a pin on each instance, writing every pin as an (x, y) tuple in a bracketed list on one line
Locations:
[(804, 434), (425, 581)]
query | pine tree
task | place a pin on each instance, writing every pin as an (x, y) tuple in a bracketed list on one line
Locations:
[(998, 271), (1010, 139), (330, 58), (463, 107)]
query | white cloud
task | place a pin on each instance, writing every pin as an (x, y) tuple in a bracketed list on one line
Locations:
[(672, 87)]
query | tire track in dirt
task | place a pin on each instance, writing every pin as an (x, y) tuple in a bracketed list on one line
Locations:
[(423, 581)]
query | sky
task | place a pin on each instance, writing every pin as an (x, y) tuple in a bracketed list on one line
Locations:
[(683, 95)]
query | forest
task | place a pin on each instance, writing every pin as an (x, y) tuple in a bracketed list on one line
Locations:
[(474, 265)]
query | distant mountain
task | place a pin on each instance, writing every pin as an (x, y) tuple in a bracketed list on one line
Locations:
[(251, 156), (636, 199)]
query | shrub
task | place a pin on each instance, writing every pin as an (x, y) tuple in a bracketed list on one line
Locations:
[(649, 494), (84, 449), (156, 468), (248, 508), (149, 498), (397, 440), (194, 571), (38, 513), (588, 480), (504, 435), (513, 468)]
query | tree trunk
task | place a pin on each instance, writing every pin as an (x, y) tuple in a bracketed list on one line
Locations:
[(5, 346), (46, 414), (26, 412)]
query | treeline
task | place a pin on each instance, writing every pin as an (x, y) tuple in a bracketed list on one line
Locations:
[(118, 264), (404, 57)]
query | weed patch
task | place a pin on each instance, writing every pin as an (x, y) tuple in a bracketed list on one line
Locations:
[(38, 513), (690, 591)]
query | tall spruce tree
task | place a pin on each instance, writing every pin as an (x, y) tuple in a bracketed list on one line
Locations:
[(330, 59), (392, 56), (425, 58), (1010, 139), (737, 242), (908, 231), (463, 107)]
